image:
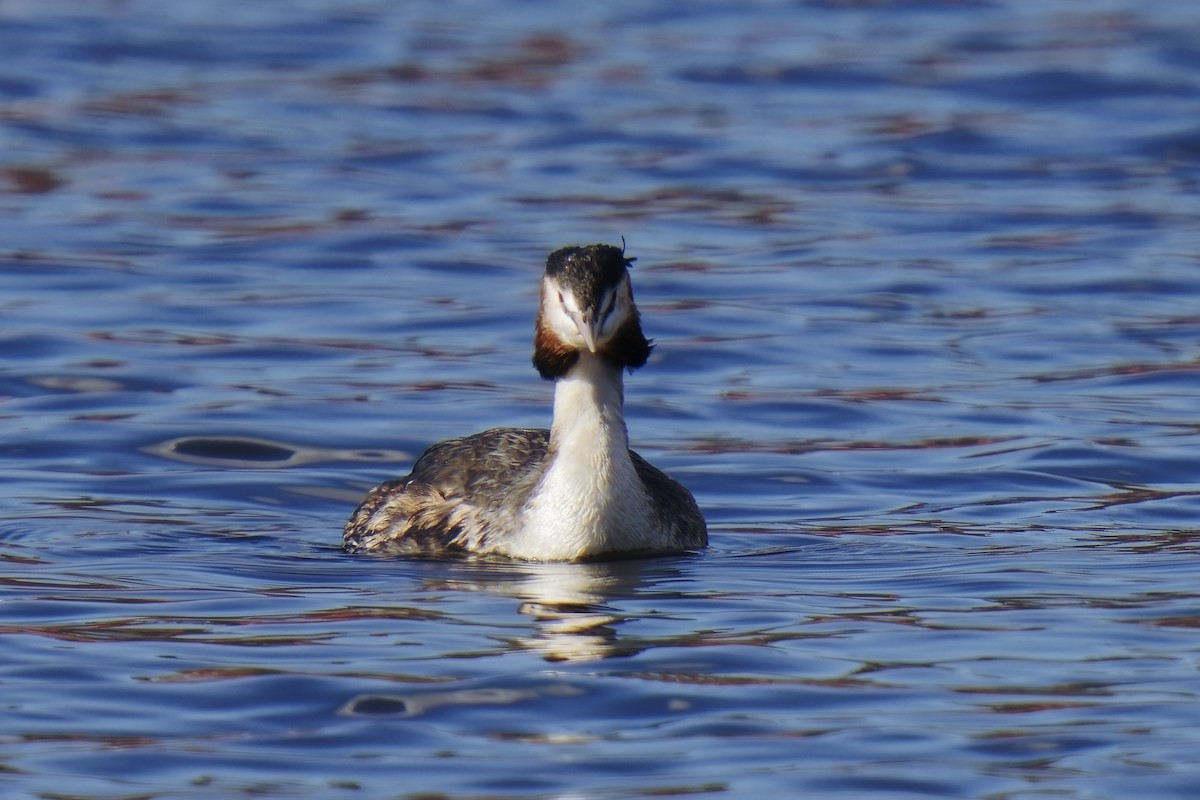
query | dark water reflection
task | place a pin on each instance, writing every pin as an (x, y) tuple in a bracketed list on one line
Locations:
[(923, 278)]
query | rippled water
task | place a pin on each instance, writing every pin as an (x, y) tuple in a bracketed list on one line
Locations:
[(924, 279)]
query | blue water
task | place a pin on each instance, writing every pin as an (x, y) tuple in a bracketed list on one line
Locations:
[(924, 280)]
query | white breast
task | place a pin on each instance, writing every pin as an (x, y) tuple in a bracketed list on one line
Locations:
[(590, 499)]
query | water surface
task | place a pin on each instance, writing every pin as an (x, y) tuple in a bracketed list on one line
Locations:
[(923, 279)]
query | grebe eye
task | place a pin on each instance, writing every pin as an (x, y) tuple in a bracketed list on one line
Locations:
[(560, 298)]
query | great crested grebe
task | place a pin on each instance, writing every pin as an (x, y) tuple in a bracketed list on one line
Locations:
[(574, 492)]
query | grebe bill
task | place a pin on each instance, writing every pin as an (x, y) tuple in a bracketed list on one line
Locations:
[(574, 492)]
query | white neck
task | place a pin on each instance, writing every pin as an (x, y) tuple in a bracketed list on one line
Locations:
[(589, 418), (590, 499)]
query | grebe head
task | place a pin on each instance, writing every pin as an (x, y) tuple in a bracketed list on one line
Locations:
[(587, 306)]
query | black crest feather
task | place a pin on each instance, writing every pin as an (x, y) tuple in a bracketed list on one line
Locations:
[(588, 271)]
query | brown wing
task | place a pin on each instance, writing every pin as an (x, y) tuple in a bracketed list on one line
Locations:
[(456, 491), (674, 504), (486, 465)]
